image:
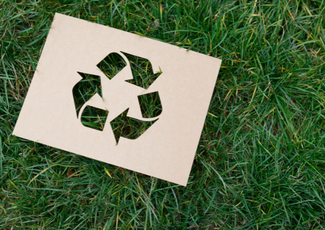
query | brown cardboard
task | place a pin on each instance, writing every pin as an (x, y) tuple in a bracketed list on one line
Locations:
[(166, 150)]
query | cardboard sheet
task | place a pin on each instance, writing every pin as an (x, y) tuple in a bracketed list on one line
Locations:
[(185, 84)]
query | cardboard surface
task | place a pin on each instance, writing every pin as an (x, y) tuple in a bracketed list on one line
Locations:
[(167, 148)]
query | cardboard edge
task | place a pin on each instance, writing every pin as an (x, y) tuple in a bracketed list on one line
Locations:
[(136, 35)]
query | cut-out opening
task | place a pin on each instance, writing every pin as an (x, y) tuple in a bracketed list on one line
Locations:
[(150, 105), (124, 126), (94, 118), (112, 65), (143, 75), (87, 87)]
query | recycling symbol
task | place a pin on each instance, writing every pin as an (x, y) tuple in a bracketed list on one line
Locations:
[(98, 102)]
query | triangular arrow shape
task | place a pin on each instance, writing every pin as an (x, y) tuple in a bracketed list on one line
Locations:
[(87, 87), (129, 127), (143, 75)]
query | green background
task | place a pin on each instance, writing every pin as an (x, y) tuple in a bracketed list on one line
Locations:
[(260, 162)]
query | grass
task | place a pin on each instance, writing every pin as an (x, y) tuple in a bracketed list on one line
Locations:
[(260, 163)]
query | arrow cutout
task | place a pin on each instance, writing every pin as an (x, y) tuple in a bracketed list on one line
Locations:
[(87, 87), (129, 127)]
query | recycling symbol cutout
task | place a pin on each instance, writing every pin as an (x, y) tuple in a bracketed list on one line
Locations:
[(92, 91)]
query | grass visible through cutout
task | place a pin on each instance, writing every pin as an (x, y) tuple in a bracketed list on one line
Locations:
[(150, 105), (85, 89), (129, 127), (143, 75), (112, 64), (94, 118)]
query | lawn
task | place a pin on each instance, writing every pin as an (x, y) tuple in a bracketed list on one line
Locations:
[(260, 162)]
